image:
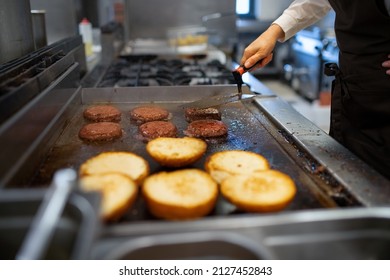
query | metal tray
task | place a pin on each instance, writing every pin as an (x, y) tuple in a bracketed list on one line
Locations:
[(75, 232), (326, 234), (182, 245)]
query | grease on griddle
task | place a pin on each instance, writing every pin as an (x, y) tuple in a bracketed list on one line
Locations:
[(339, 194)]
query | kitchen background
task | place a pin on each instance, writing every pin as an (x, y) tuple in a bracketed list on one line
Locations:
[(136, 56)]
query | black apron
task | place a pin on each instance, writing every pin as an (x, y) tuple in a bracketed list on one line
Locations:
[(360, 111)]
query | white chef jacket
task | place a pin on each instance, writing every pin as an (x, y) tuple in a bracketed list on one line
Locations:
[(303, 13)]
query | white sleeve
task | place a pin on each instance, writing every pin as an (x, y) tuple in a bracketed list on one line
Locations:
[(301, 14)]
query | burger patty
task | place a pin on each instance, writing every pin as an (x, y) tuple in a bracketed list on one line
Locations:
[(102, 113), (155, 129), (101, 131), (206, 129), (149, 114), (194, 114)]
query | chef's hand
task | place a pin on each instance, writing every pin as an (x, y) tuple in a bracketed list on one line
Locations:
[(387, 65), (262, 48)]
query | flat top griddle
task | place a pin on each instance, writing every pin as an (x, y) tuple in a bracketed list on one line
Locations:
[(248, 130), (44, 138)]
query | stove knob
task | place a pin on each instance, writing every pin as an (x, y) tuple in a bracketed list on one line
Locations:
[(288, 70)]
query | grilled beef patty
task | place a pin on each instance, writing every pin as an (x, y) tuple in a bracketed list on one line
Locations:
[(206, 129), (101, 131), (155, 129), (194, 114), (148, 114), (102, 113)]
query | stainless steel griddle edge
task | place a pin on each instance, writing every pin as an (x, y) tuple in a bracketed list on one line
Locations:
[(369, 187)]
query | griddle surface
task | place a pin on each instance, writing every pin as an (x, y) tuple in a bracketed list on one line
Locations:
[(246, 132)]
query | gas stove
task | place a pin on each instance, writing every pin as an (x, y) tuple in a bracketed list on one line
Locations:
[(155, 70)]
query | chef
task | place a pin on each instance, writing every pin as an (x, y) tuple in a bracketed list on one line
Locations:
[(360, 109)]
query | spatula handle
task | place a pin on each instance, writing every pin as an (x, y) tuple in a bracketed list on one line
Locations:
[(242, 69)]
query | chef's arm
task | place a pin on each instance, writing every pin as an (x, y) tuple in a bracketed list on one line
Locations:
[(299, 15)]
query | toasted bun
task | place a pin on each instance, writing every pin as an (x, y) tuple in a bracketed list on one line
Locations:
[(225, 163), (265, 191), (176, 152), (118, 193), (125, 163), (179, 195)]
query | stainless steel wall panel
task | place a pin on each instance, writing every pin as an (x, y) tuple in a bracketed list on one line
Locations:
[(16, 37), (61, 18)]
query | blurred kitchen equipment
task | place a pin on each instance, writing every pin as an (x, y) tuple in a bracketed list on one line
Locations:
[(43, 226), (76, 229), (111, 41), (310, 50), (85, 30), (220, 29), (151, 19), (16, 37), (188, 39), (39, 28), (56, 66)]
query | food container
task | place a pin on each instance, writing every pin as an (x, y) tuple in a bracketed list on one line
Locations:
[(188, 39)]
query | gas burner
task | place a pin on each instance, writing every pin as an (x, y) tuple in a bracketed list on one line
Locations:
[(132, 83), (172, 63), (107, 83), (183, 81), (161, 81), (154, 71)]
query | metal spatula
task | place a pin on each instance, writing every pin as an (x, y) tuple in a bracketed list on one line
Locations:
[(217, 100), (237, 74), (213, 101)]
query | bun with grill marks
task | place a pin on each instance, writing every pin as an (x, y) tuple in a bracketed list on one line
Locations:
[(223, 164), (181, 194), (266, 191), (176, 152)]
